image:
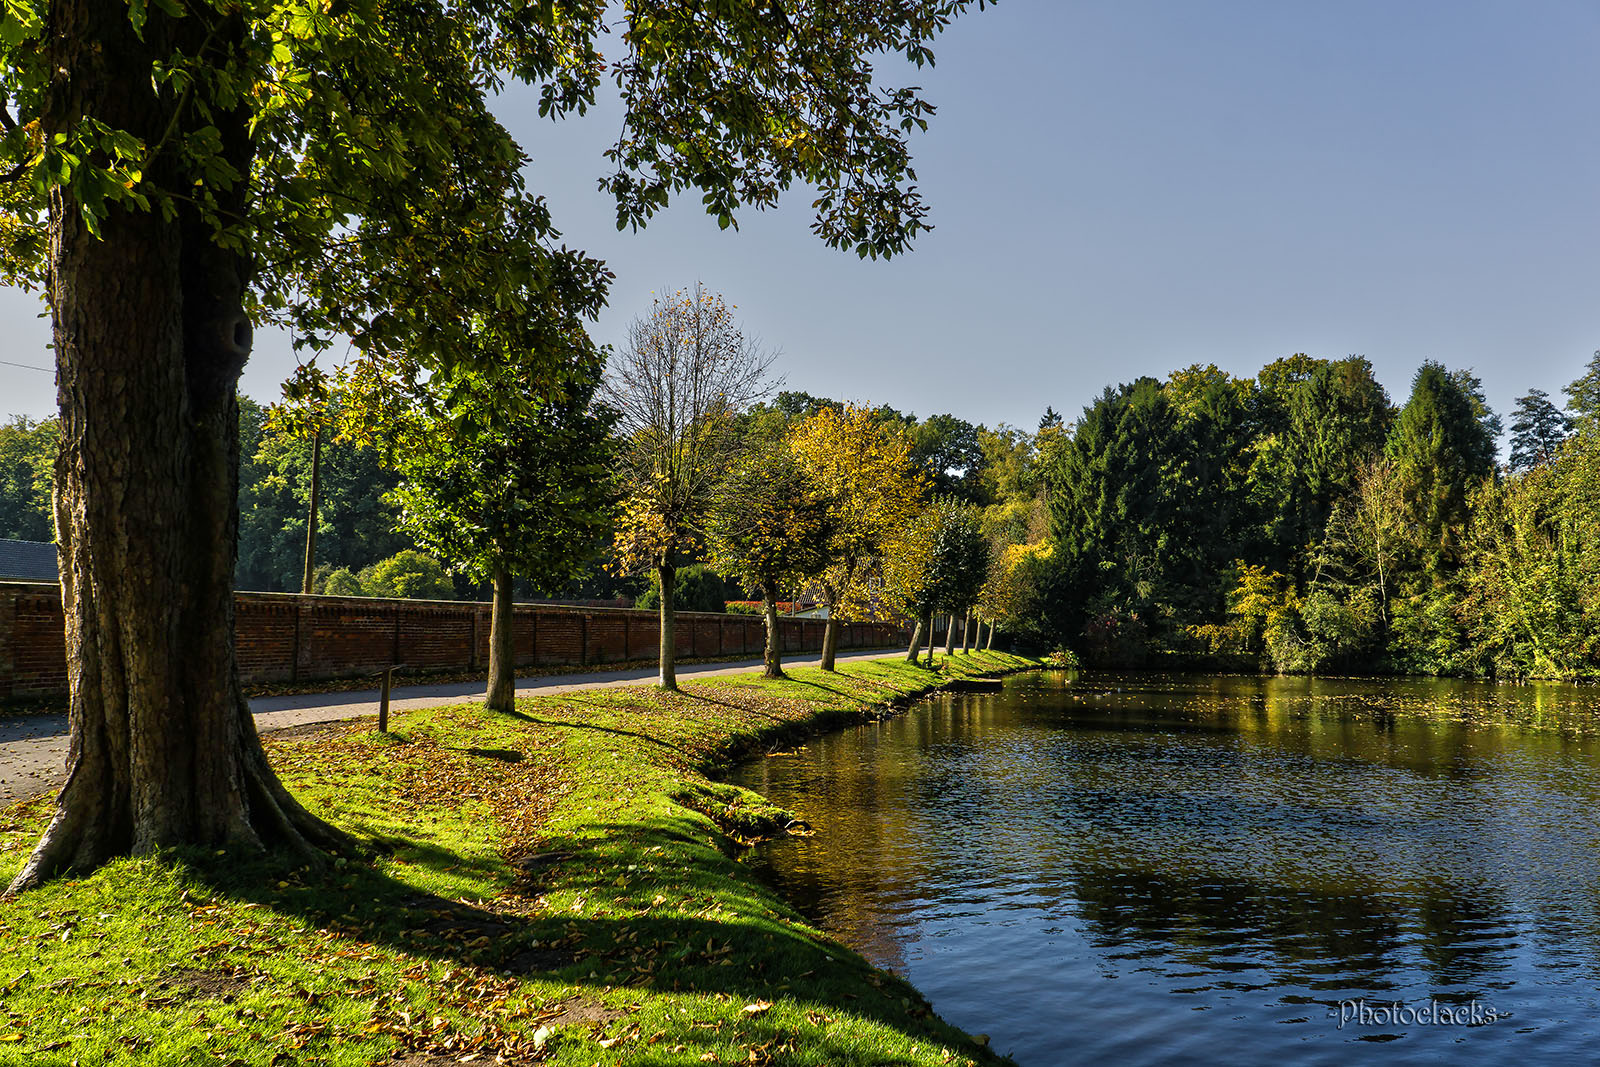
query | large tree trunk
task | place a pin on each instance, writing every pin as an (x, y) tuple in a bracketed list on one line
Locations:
[(773, 656), (669, 639), (950, 633), (150, 337), (502, 647), (308, 576), (929, 632), (966, 633), (991, 635)]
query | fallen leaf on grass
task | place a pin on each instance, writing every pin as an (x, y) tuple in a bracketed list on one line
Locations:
[(760, 1007)]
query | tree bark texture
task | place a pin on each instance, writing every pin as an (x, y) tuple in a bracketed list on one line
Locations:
[(966, 633), (929, 632), (830, 642), (991, 635), (669, 638), (916, 643), (150, 338), (773, 654), (502, 646), (950, 633), (308, 577)]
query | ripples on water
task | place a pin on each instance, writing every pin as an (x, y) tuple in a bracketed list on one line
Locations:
[(1192, 869)]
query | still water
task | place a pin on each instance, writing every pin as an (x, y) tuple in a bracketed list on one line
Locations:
[(1188, 869)]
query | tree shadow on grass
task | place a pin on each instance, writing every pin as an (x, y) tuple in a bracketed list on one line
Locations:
[(534, 720), (655, 935)]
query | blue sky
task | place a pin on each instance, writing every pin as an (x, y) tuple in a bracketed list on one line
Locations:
[(1127, 188)]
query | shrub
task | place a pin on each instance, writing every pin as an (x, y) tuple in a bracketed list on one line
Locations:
[(407, 574), (341, 582)]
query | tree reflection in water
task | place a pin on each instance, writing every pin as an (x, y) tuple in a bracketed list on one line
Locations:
[(1149, 868)]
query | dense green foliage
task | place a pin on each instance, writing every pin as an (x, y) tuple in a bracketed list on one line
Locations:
[(357, 522), (1299, 522), (407, 575), (697, 588), (498, 477), (27, 464)]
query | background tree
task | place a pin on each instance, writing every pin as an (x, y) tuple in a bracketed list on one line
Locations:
[(958, 560), (1533, 572), (694, 588), (1015, 591), (27, 462), (678, 383), (406, 575), (201, 163), (908, 588), (1583, 394), (358, 525), (502, 479), (1112, 510), (1442, 450), (771, 527), (340, 581), (1538, 428), (866, 468), (1317, 423), (307, 413), (950, 454)]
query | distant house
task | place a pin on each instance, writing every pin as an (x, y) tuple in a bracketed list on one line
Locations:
[(27, 561)]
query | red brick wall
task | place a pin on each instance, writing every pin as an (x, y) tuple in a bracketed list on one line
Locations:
[(285, 637)]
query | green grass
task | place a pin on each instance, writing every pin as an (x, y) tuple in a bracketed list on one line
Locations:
[(556, 885)]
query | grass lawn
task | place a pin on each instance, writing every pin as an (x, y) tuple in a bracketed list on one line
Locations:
[(558, 885)]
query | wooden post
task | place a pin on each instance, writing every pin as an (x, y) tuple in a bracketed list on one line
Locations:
[(383, 701)]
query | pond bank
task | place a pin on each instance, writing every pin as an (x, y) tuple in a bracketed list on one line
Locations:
[(559, 885)]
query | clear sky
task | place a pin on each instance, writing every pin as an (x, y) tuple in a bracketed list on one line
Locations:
[(1125, 188)]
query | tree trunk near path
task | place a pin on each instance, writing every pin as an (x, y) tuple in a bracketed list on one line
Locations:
[(930, 636), (668, 576), (950, 634), (150, 337), (830, 641), (773, 656), (966, 633), (308, 578), (916, 643), (991, 636), (502, 647)]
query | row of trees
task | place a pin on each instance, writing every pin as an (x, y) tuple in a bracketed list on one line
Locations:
[(803, 493)]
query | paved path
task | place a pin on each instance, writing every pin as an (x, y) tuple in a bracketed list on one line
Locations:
[(33, 748)]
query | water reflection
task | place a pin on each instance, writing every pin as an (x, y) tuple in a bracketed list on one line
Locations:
[(1154, 869)]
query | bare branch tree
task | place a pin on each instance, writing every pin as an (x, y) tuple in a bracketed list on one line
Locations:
[(678, 385)]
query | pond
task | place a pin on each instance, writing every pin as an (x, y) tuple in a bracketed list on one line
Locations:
[(1185, 869)]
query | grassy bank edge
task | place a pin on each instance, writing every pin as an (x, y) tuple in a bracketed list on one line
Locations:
[(559, 885)]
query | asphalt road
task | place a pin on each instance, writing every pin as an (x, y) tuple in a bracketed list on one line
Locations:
[(33, 748)]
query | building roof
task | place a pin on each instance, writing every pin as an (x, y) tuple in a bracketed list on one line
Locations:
[(27, 561)]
